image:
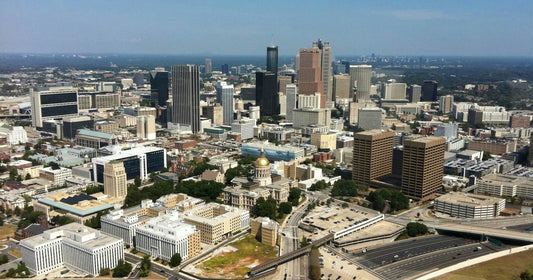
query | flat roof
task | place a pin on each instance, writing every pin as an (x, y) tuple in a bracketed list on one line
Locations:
[(63, 200), (471, 200), (93, 133), (126, 153)]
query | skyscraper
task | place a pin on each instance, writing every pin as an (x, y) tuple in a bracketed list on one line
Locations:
[(423, 166), (266, 93), (310, 75), (372, 155), (415, 92), (225, 97), (361, 76), (53, 103), (225, 69), (394, 91), (272, 59), (429, 91), (186, 96), (341, 87), (115, 181), (292, 96), (208, 66), (159, 92), (325, 67), (445, 104)]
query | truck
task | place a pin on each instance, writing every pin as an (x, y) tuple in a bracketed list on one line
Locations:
[(477, 248)]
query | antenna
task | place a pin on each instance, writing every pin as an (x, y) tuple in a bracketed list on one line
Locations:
[(272, 39)]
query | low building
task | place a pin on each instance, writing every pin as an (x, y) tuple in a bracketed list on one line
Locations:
[(324, 141), (73, 245), (462, 205), (265, 230), (94, 139), (57, 175), (495, 147), (217, 222), (505, 185), (166, 235), (79, 207), (213, 175)]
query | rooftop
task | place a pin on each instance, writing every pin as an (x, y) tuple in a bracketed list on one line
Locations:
[(97, 134), (471, 200)]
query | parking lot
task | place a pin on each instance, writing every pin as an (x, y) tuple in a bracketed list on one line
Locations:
[(336, 268)]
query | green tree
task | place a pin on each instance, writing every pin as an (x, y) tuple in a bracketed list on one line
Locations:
[(18, 211), (92, 189), (416, 229), (175, 260), (346, 188), (3, 259), (264, 208), (318, 186), (285, 207), (104, 271), (294, 196), (27, 177), (122, 269), (304, 242), (61, 220), (3, 168), (397, 200), (13, 173), (137, 181), (146, 264), (525, 275)]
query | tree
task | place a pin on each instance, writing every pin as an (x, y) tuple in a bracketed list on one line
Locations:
[(104, 271), (416, 229), (525, 275), (62, 220), (3, 168), (285, 207), (175, 260), (92, 189), (318, 186), (346, 188), (3, 259), (137, 181), (27, 177), (304, 242), (264, 208), (13, 174), (17, 211), (146, 263), (294, 196), (397, 200), (122, 269), (19, 178)]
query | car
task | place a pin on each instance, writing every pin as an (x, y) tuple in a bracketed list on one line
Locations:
[(359, 268)]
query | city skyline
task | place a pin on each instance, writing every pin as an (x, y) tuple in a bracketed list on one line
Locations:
[(452, 28)]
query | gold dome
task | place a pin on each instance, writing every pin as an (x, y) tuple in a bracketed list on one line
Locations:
[(262, 160)]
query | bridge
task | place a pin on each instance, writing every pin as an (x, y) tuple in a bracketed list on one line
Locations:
[(491, 232), (265, 267)]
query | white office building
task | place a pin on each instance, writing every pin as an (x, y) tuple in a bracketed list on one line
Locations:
[(361, 76), (53, 103), (245, 127), (73, 245), (291, 91), (167, 235), (225, 97), (14, 135), (394, 91), (254, 112)]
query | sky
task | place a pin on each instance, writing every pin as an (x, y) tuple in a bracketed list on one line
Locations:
[(395, 27)]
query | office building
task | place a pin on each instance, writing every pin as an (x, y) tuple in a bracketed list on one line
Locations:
[(292, 97), (138, 161), (94, 139), (311, 116), (245, 127), (394, 91), (106, 100), (341, 88), (53, 103), (225, 69), (361, 79), (324, 141), (106, 126), (14, 134), (283, 81), (56, 175), (325, 67), (464, 205), (517, 121), (310, 74), (429, 91), (217, 222), (105, 86), (225, 97), (447, 130), (423, 161), (254, 112), (138, 79), (85, 101), (445, 104), (272, 152), (159, 86), (265, 230), (186, 96), (215, 113), (272, 59), (73, 245), (310, 100), (163, 236), (146, 127), (415, 93), (115, 181), (266, 93), (208, 66), (369, 118), (372, 155)]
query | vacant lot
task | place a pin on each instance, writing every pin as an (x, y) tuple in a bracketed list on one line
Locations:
[(7, 231), (504, 268), (236, 264)]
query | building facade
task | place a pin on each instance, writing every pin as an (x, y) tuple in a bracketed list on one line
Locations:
[(361, 79), (186, 96), (372, 155), (53, 103)]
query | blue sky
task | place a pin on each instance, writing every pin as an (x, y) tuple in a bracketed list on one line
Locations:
[(396, 27)]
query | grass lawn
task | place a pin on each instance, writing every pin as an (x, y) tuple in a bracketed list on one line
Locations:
[(7, 231), (504, 268), (15, 253), (237, 264)]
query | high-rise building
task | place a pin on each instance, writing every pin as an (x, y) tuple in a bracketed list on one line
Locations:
[(215, 113), (115, 181), (423, 166), (272, 59), (225, 97), (292, 96), (325, 67), (73, 124), (225, 68), (341, 87), (283, 81), (138, 79), (245, 127), (394, 91), (310, 74), (415, 93), (208, 66), (445, 104), (146, 127), (186, 96), (429, 91), (159, 86), (266, 93), (53, 103), (372, 155), (361, 79), (369, 118)]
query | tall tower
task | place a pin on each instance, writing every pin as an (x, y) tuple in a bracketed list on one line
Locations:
[(208, 66), (360, 79), (372, 155), (310, 75), (292, 96), (159, 86), (272, 59), (225, 97), (186, 96), (115, 181), (266, 93), (325, 65), (429, 91), (423, 166)]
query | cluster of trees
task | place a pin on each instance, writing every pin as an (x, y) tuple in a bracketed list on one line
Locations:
[(28, 217), (379, 198), (20, 272), (347, 188), (294, 196), (175, 260), (200, 167), (146, 264), (320, 185), (239, 171), (268, 208), (61, 220), (526, 275), (416, 229), (3, 259), (208, 190), (122, 269), (95, 222), (92, 189)]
